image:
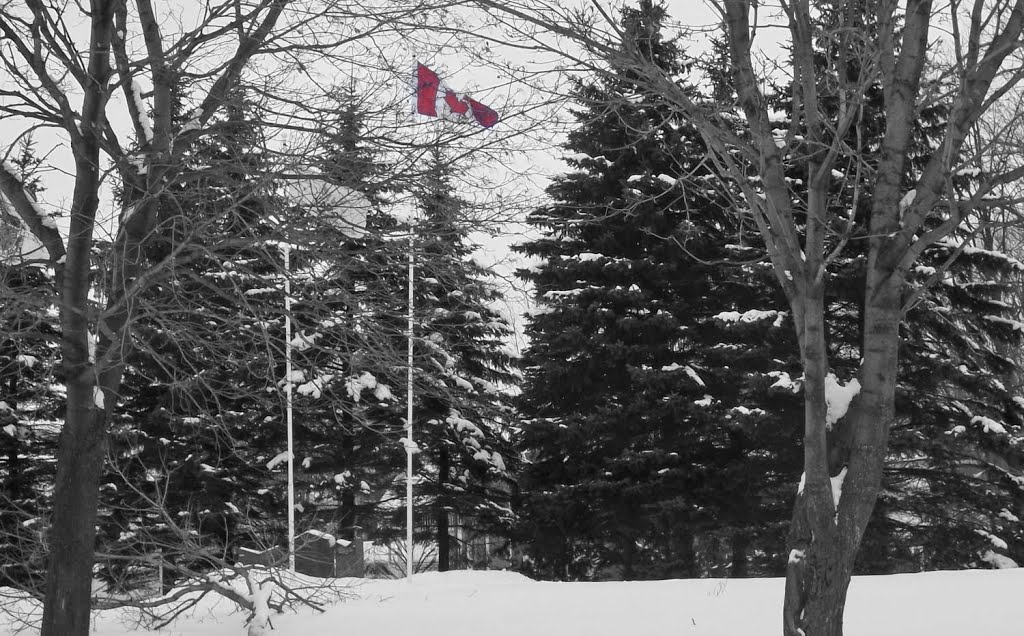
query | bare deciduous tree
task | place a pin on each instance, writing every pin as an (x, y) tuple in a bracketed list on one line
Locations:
[(116, 105), (893, 46), (49, 73), (112, 101)]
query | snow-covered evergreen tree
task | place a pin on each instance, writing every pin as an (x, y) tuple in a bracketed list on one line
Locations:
[(638, 237), (646, 438), (30, 392), (344, 335), (463, 373), (29, 425), (200, 405)]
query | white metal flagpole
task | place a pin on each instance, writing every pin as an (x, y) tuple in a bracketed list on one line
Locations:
[(288, 403), (409, 335), (408, 435)]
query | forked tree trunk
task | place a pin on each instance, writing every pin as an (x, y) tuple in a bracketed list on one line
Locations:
[(817, 579), (823, 549), (81, 446), (828, 579)]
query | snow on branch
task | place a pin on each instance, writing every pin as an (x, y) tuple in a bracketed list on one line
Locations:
[(988, 425), (42, 225), (1014, 325), (977, 251), (752, 315)]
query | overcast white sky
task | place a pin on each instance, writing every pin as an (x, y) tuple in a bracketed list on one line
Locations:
[(463, 73)]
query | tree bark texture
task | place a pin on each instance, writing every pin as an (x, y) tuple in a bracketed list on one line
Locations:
[(72, 533), (823, 547), (80, 449)]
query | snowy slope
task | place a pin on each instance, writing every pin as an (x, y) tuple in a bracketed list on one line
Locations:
[(506, 604)]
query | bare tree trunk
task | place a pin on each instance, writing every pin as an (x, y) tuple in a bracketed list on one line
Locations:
[(80, 449), (80, 460), (827, 583), (73, 525), (823, 549), (685, 555), (628, 558), (81, 452), (347, 520), (739, 543), (817, 578)]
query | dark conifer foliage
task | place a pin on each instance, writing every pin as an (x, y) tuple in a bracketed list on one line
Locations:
[(204, 427), (463, 371), (645, 438), (30, 399), (199, 402), (647, 282), (31, 390), (348, 335)]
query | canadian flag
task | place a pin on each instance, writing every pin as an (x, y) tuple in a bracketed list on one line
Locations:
[(435, 99)]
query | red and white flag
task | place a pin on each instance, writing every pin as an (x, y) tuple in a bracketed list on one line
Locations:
[(435, 99)]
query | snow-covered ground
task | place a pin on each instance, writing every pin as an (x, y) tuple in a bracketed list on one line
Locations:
[(506, 604)]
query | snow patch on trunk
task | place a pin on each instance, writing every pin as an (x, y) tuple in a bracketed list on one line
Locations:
[(907, 200), (837, 486), (259, 624), (140, 104), (838, 398)]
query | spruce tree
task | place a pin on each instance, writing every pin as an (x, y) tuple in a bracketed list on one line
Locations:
[(186, 481), (463, 373), (462, 457), (581, 407), (359, 276), (205, 398), (30, 391), (646, 438)]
